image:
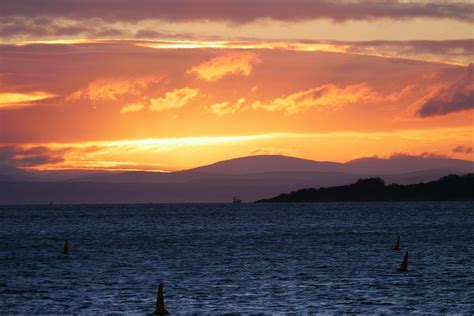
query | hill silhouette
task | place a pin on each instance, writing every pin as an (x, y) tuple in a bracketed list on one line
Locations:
[(268, 163), (405, 163), (395, 164), (417, 167), (449, 188)]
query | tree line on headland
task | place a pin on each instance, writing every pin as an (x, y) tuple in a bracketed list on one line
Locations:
[(449, 188)]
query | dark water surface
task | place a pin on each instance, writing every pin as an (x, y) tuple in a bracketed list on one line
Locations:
[(224, 258)]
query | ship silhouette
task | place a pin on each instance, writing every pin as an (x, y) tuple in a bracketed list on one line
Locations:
[(236, 199)]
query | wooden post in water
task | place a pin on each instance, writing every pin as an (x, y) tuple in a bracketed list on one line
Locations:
[(66, 248), (160, 303), (404, 265)]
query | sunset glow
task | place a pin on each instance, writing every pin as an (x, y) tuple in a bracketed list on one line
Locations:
[(12, 99), (126, 90), (173, 153)]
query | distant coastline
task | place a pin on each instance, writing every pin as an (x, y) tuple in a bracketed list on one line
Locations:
[(251, 178), (449, 188)]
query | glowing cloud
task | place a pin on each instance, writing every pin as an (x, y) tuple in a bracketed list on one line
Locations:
[(322, 96), (230, 64), (15, 99), (224, 108), (173, 99), (133, 107), (111, 89)]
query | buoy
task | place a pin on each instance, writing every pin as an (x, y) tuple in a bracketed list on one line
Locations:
[(404, 265), (66, 248), (160, 303), (397, 244)]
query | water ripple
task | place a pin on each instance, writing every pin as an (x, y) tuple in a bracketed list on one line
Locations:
[(237, 259)]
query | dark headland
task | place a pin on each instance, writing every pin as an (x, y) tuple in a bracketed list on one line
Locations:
[(449, 188)]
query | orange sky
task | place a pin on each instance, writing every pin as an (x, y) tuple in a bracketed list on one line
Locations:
[(183, 96)]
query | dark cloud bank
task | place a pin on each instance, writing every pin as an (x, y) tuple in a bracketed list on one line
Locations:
[(239, 11), (30, 157), (462, 149), (457, 97)]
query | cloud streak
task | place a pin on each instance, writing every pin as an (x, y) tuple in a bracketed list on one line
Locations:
[(443, 51), (447, 51), (221, 66), (133, 107), (30, 156), (10, 100), (319, 97), (112, 89), (226, 108)]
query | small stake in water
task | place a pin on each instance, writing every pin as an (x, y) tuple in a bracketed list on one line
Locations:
[(404, 265), (160, 303), (66, 248), (397, 244)]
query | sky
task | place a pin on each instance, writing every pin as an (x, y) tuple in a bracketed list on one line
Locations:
[(168, 85)]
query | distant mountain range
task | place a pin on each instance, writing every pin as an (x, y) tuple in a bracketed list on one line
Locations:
[(394, 165), (449, 188), (251, 178)]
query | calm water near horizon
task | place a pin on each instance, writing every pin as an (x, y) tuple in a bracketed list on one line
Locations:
[(231, 258)]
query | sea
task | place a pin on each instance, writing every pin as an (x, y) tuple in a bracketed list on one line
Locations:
[(320, 258)]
